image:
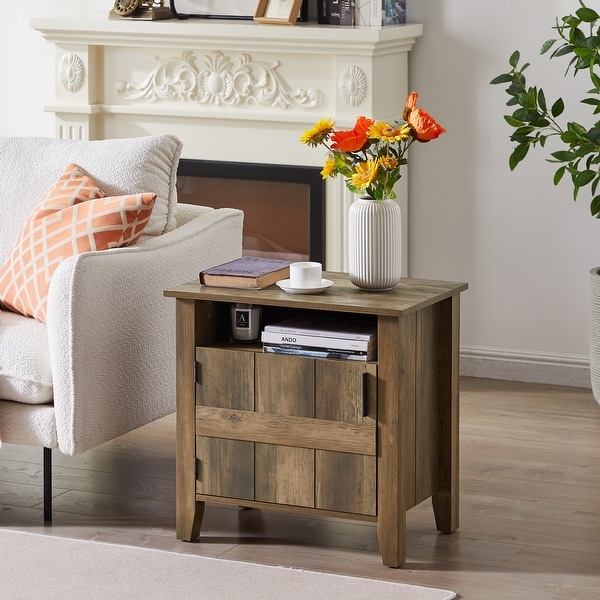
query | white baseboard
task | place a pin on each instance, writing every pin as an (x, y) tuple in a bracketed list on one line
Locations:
[(555, 369)]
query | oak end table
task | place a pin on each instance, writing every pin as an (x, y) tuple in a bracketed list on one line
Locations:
[(344, 438)]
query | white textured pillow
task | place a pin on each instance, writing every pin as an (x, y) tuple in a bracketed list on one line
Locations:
[(29, 167), (25, 371)]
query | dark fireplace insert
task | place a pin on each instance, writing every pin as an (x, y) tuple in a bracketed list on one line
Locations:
[(284, 206)]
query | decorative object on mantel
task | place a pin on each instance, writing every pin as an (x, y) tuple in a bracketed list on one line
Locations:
[(214, 9), (278, 12), (535, 122), (222, 9), (143, 10), (379, 13), (370, 158)]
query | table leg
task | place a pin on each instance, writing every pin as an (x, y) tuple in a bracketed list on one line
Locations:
[(446, 493), (189, 512), (396, 434)]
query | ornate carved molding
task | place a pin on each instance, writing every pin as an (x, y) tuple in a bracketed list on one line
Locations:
[(223, 81), (353, 85), (71, 72)]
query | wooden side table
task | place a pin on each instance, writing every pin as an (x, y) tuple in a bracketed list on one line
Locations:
[(361, 440)]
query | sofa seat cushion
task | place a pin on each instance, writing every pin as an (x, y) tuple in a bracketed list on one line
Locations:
[(25, 372), (75, 217), (31, 165)]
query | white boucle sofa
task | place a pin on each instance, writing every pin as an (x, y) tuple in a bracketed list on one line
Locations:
[(103, 363)]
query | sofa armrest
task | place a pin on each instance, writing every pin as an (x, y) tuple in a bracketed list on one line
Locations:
[(112, 332)]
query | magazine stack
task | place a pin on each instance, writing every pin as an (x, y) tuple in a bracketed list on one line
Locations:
[(322, 338)]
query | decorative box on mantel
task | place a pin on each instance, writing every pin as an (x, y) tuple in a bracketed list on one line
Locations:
[(231, 90)]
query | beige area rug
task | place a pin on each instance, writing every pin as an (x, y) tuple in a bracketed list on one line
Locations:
[(40, 567)]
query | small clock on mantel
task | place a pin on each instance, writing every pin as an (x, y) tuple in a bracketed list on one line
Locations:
[(145, 10)]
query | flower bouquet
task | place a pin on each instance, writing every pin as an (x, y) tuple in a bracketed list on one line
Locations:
[(371, 154)]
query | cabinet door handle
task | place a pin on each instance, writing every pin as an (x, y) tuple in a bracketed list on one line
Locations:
[(365, 395)]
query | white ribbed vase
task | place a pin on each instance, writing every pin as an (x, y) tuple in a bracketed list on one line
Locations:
[(375, 244)]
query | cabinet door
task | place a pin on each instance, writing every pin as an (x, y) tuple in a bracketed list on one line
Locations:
[(225, 379), (285, 386), (346, 481)]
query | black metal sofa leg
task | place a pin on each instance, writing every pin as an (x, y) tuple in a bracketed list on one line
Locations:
[(47, 484)]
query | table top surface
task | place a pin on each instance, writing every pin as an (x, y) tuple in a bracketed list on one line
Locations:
[(408, 296)]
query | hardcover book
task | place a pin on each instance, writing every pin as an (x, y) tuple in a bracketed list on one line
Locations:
[(248, 272), (313, 341), (319, 352), (349, 329), (336, 12)]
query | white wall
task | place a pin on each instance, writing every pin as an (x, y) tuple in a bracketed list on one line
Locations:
[(522, 244)]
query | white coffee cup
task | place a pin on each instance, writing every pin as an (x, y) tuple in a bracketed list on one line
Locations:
[(306, 275)]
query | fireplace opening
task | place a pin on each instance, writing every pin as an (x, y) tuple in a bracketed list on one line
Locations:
[(284, 206)]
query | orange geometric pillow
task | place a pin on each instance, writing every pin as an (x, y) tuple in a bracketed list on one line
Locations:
[(74, 217)]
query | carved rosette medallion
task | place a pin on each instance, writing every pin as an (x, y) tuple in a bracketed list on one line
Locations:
[(353, 85), (71, 72), (222, 81)]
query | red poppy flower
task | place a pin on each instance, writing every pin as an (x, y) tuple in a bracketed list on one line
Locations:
[(353, 140)]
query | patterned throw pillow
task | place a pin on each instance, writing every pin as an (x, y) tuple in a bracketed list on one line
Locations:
[(74, 217)]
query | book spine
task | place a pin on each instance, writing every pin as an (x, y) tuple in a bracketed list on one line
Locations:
[(335, 12), (378, 10), (362, 12), (345, 335), (314, 353), (329, 343)]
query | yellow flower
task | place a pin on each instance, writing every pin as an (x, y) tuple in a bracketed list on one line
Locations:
[(328, 167), (318, 134), (388, 162), (364, 174), (386, 133)]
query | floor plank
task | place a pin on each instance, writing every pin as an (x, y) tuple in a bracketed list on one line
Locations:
[(530, 503)]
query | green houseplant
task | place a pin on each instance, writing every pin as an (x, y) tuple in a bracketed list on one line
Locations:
[(536, 122)]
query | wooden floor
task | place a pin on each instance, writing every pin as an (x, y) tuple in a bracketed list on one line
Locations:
[(530, 503)]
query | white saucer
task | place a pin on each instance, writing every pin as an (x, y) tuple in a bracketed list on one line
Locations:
[(284, 284)]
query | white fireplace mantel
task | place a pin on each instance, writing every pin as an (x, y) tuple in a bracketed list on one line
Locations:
[(230, 90)]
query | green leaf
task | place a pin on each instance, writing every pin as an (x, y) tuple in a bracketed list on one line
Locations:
[(564, 156), (583, 178), (559, 175), (547, 45), (557, 108), (594, 135), (541, 99), (591, 101), (518, 154), (512, 121), (566, 49), (513, 61), (595, 206), (587, 15), (504, 78)]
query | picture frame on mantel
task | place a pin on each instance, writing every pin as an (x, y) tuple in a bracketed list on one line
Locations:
[(279, 12), (214, 9)]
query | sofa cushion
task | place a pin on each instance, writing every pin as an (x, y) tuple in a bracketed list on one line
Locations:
[(25, 374), (31, 165), (74, 217)]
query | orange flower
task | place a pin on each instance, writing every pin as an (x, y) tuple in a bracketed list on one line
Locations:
[(353, 140), (411, 102), (424, 126)]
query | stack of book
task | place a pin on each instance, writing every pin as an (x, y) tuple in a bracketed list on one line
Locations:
[(321, 338)]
